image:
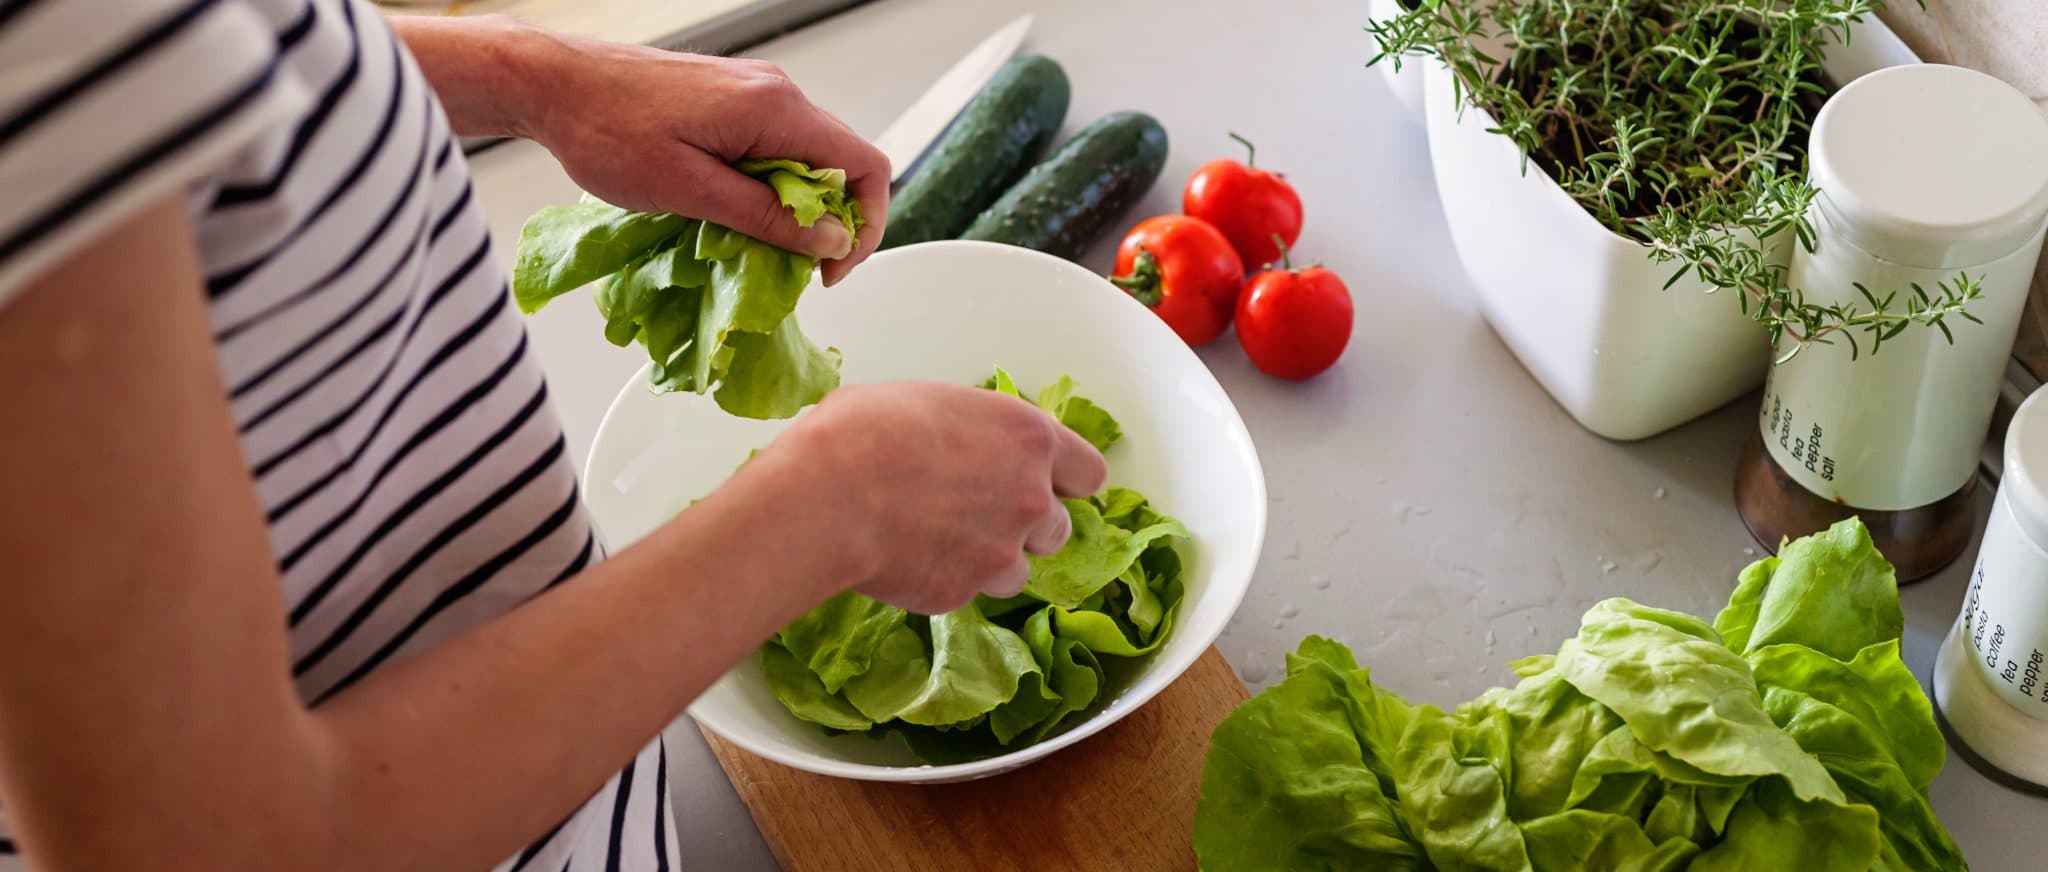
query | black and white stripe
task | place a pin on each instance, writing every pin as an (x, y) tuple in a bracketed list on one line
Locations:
[(396, 427)]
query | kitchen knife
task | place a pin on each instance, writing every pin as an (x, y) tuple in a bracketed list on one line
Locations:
[(920, 125)]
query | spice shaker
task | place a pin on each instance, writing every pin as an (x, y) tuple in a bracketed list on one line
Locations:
[(1991, 677), (1925, 174)]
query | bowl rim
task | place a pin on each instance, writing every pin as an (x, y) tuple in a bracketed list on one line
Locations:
[(1133, 697)]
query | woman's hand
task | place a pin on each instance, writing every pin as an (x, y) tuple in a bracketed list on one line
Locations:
[(655, 130), (927, 493)]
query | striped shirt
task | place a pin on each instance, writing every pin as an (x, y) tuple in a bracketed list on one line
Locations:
[(394, 422)]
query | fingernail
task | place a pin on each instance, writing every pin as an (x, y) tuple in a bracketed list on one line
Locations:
[(830, 240)]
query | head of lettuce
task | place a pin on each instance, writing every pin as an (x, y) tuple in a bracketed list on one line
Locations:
[(1786, 735)]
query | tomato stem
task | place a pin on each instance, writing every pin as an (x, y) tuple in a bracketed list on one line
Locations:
[(1251, 152), (1144, 281), (1286, 262)]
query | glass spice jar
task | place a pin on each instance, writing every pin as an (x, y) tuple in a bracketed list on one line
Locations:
[(1991, 674), (1926, 174)]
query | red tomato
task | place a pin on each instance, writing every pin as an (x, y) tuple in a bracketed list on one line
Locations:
[(1250, 206), (1184, 270), (1294, 323)]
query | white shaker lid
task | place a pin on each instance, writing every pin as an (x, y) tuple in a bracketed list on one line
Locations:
[(2025, 472), (1933, 166)]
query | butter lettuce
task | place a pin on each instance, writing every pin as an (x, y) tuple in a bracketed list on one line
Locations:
[(1786, 735), (712, 307), (996, 674)]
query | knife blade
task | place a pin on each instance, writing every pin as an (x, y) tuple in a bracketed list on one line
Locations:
[(919, 126)]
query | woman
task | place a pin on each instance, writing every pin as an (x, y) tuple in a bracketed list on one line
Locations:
[(293, 568)]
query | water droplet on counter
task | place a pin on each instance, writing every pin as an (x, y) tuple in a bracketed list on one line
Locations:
[(1289, 611), (1279, 624), (1253, 673), (1658, 494), (1654, 560), (1607, 567), (1421, 510), (1532, 630), (1319, 582), (1490, 640), (1293, 551), (1402, 511), (1749, 551)]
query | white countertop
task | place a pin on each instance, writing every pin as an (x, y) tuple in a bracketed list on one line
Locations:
[(1460, 518)]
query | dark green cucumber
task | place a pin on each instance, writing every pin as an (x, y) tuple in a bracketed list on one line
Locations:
[(982, 154), (1063, 204)]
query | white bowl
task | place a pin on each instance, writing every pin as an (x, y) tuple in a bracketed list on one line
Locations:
[(953, 311)]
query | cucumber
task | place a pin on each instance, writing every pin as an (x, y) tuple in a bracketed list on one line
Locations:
[(992, 143), (1063, 204)]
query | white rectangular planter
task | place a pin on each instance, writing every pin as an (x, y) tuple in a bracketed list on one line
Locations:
[(1580, 305)]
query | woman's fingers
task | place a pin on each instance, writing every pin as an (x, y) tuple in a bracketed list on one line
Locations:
[(1077, 468), (814, 136), (1051, 533), (725, 196), (867, 179), (1010, 581)]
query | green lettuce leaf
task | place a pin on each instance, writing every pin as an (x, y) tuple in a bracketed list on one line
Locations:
[(776, 374), (1773, 830), (1033, 705), (799, 690), (1831, 592), (1074, 673), (1097, 555), (969, 666), (562, 248), (713, 307), (1868, 723), (1316, 800), (1788, 736), (809, 193), (838, 639), (1079, 414), (1685, 694), (1582, 839)]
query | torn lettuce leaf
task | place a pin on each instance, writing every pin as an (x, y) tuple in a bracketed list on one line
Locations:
[(713, 308)]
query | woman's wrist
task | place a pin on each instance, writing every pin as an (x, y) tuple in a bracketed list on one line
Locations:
[(766, 523), (494, 75)]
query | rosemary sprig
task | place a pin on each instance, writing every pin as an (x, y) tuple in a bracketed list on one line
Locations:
[(1679, 123)]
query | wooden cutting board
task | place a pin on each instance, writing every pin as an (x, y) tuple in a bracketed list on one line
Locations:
[(1123, 799)]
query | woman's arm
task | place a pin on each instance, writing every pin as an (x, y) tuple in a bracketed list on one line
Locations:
[(650, 129), (147, 719)]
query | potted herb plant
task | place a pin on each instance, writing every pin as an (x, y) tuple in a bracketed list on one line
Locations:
[(1590, 154)]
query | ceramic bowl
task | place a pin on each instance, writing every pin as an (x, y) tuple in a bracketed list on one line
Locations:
[(953, 311)]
